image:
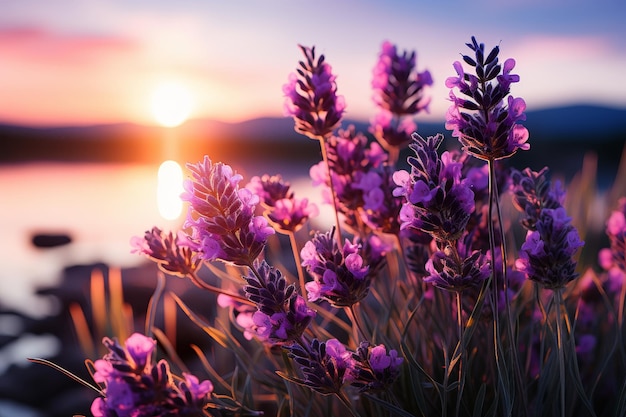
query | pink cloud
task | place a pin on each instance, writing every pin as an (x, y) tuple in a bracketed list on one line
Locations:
[(37, 44)]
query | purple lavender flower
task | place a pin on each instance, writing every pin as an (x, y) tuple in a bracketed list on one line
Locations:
[(398, 92), (270, 189), (221, 215), (381, 208), (532, 192), (174, 254), (311, 97), (376, 368), (456, 268), (351, 160), (616, 231), (282, 315), (486, 120), (342, 277), (437, 200), (135, 387), (546, 256), (326, 366), (284, 211)]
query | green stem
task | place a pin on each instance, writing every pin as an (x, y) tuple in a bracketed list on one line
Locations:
[(66, 373), (298, 261), (459, 318), (495, 287), (355, 321), (201, 284), (521, 392), (332, 189), (344, 399), (559, 342)]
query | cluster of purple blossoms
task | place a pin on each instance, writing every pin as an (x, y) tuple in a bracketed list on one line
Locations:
[(399, 94), (546, 256), (438, 201), (135, 387), (341, 276), (458, 267), (361, 181), (613, 259), (328, 366), (222, 215), (532, 192), (486, 120), (174, 254), (283, 210), (439, 204), (311, 97), (282, 314), (376, 369)]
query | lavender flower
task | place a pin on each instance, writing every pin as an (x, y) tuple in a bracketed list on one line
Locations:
[(398, 92), (221, 215), (311, 97), (174, 254), (282, 315), (381, 208), (342, 277), (135, 387), (455, 268), (438, 202), (546, 256), (326, 366), (270, 189), (284, 211), (532, 192), (486, 120), (616, 231), (376, 367), (351, 161)]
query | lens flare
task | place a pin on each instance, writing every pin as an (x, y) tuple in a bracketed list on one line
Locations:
[(169, 189)]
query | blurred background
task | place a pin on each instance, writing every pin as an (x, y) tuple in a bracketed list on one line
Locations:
[(95, 95)]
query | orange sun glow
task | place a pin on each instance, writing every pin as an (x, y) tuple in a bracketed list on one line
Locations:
[(171, 104)]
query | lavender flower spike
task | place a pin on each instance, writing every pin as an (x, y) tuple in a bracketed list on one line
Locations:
[(222, 215), (616, 232), (376, 367), (457, 268), (134, 386), (342, 277), (326, 366), (282, 315), (285, 212), (311, 97), (485, 118), (173, 254), (546, 256), (437, 201), (399, 94)]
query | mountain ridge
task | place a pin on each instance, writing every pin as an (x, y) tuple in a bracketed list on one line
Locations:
[(584, 126)]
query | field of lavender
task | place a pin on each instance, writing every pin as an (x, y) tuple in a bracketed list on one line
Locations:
[(451, 283)]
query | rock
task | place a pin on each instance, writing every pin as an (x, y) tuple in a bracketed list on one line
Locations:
[(45, 240)]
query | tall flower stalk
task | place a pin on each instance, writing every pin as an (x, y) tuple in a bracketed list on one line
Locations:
[(547, 255), (312, 101), (485, 121), (399, 94)]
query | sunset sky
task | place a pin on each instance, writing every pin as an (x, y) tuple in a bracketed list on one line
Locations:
[(66, 62)]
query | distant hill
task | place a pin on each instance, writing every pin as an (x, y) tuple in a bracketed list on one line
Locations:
[(557, 135)]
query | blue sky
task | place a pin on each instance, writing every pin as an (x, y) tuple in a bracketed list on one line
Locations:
[(98, 61)]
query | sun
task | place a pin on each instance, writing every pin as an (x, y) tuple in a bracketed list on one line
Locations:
[(171, 104)]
